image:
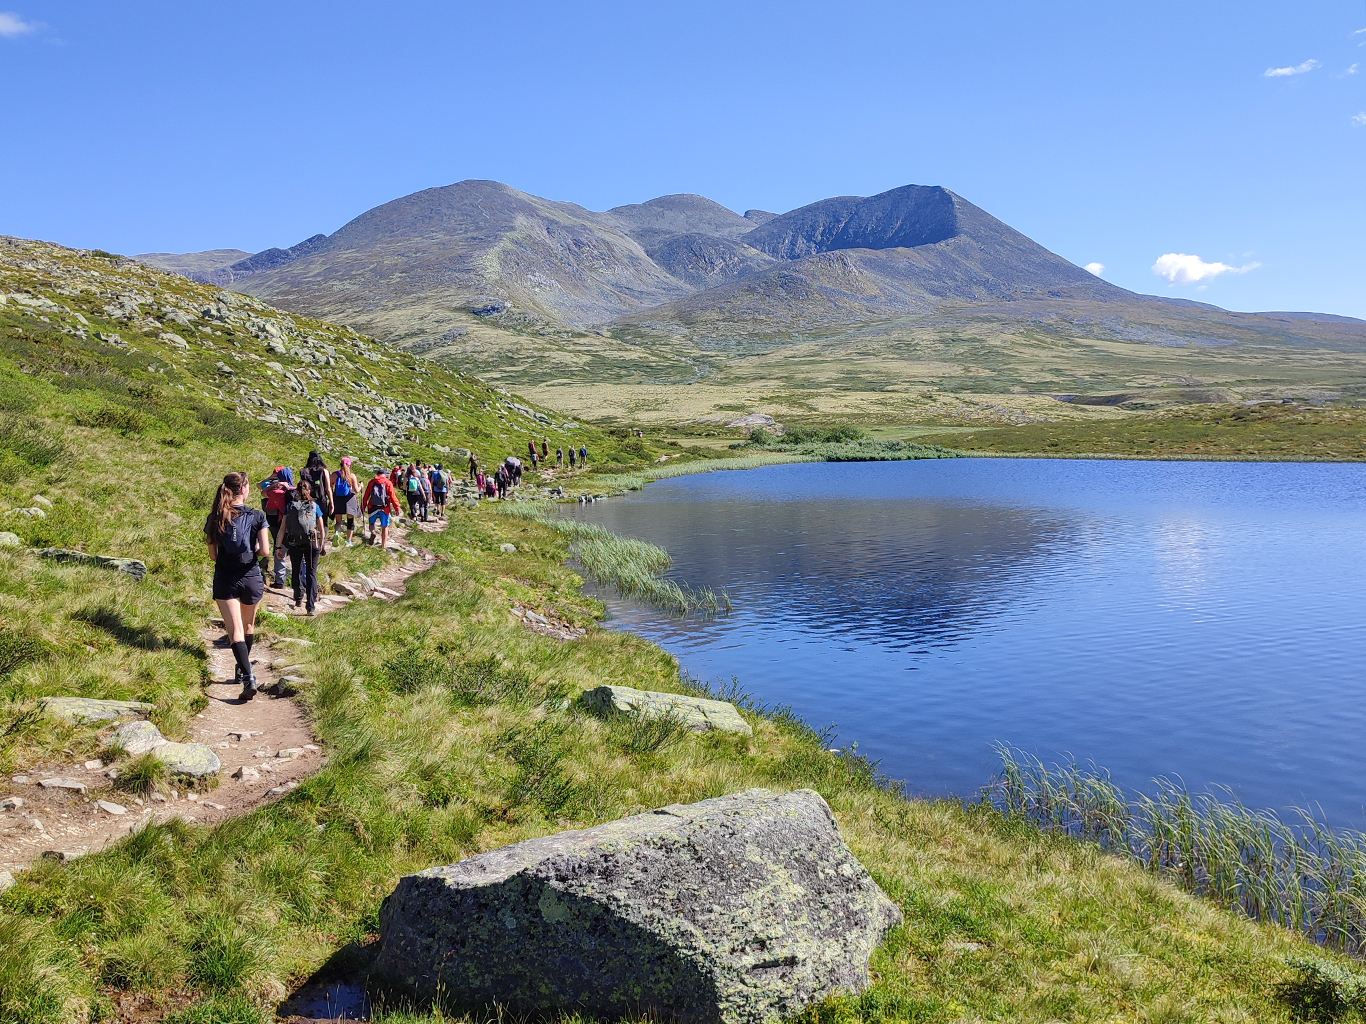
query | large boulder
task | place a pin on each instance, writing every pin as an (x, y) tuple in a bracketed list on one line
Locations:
[(696, 713), (89, 709), (736, 910)]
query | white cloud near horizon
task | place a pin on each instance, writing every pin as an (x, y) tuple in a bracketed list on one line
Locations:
[(1352, 70), (1094, 268), (1359, 119), (1183, 268), (12, 25), (1298, 69)]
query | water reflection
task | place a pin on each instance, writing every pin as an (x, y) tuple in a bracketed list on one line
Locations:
[(1193, 618)]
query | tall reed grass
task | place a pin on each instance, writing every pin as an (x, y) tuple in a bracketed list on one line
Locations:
[(1302, 874), (633, 567)]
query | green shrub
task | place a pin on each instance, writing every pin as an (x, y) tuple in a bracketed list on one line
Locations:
[(30, 441), (221, 1009), (19, 648), (1324, 991), (224, 955), (118, 418)]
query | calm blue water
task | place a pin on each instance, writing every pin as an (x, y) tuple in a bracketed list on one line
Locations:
[(1203, 620)]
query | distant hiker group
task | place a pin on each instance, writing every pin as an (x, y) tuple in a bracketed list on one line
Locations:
[(292, 524)]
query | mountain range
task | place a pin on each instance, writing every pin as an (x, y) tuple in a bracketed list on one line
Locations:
[(681, 289)]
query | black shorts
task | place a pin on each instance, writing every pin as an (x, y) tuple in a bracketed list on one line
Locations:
[(248, 588)]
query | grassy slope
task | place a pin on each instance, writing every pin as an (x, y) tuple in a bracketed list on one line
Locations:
[(438, 716)]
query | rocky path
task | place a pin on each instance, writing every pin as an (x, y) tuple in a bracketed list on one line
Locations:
[(266, 745)]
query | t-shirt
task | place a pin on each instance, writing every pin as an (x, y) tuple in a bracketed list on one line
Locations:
[(246, 524)]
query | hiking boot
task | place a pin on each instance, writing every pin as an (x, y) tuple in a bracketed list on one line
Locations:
[(249, 687)]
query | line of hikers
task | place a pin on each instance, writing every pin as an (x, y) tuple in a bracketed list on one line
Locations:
[(508, 475), (292, 523)]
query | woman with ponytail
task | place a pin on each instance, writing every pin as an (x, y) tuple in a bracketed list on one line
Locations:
[(237, 536)]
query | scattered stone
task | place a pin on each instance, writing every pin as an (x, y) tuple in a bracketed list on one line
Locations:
[(290, 752), (735, 910), (75, 785), (94, 766), (88, 709), (508, 549), (32, 513), (246, 774), (696, 713), (37, 825), (293, 640), (210, 803), (131, 566), (41, 501), (349, 589), (11, 803), (110, 807), (137, 738), (282, 789), (311, 746), (10, 540), (6, 881), (65, 856), (284, 664), (241, 736), (194, 759), (19, 780), (158, 798), (387, 592)]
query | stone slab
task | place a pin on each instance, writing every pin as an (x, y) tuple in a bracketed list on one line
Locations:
[(696, 713), (735, 910), (137, 738), (130, 566), (89, 709), (195, 759)]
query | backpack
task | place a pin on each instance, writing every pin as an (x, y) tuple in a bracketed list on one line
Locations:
[(414, 485), (341, 488), (378, 497), (300, 522), (238, 542)]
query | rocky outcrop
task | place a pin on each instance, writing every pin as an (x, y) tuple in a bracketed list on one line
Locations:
[(131, 566), (88, 709), (696, 713), (734, 910), (193, 759)]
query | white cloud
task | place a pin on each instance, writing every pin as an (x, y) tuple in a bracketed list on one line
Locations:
[(1359, 119), (1095, 268), (1180, 268), (12, 25), (1352, 70), (1298, 69)]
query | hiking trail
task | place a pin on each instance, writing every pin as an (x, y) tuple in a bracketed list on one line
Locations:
[(266, 745)]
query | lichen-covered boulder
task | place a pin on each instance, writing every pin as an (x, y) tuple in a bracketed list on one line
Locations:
[(734, 910), (696, 713), (131, 566), (194, 759), (89, 709), (137, 738)]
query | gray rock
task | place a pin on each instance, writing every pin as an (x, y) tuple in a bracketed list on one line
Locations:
[(6, 881), (131, 566), (11, 803), (88, 709), (109, 807), (10, 540), (137, 738), (60, 783), (196, 759), (734, 910), (696, 713)]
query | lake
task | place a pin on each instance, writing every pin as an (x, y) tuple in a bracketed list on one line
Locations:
[(1199, 620)]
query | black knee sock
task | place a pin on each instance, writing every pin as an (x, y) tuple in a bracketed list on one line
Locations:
[(251, 639), (241, 650)]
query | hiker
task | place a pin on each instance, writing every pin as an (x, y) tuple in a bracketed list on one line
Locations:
[(320, 480), (303, 533), (545, 450), (412, 489), (346, 500), (490, 487), (481, 481), (474, 465), (441, 482), (531, 449), (380, 502), (583, 456), (500, 480), (424, 480), (279, 488), (571, 456), (237, 536), (559, 457)]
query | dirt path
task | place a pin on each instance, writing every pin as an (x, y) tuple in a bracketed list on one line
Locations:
[(266, 745)]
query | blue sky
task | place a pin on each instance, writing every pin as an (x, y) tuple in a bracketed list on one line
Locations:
[(1114, 134)]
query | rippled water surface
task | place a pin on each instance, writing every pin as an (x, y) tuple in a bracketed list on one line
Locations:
[(1195, 619)]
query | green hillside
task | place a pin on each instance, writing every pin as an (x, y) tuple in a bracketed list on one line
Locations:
[(126, 393)]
